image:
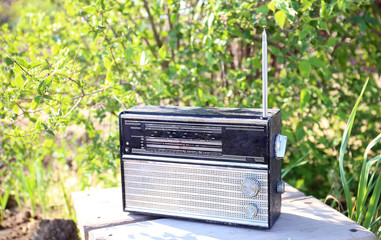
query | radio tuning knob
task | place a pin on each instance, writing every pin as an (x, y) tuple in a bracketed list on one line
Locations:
[(251, 210), (250, 187), (281, 187), (280, 145)]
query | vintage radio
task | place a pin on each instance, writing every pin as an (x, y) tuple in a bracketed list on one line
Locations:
[(214, 164)]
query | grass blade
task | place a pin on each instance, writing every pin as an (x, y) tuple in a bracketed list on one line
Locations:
[(344, 143), (67, 200), (360, 208), (363, 189), (373, 203), (297, 163)]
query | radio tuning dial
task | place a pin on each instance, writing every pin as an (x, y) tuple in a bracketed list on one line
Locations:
[(280, 145), (251, 210), (281, 187), (250, 187)]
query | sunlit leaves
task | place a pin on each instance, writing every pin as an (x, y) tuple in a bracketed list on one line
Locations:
[(280, 18), (271, 6), (143, 58), (41, 88), (19, 81), (15, 109), (210, 20), (36, 101)]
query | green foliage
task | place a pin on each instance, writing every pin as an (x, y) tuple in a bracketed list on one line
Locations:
[(367, 206), (68, 67), (3, 203)]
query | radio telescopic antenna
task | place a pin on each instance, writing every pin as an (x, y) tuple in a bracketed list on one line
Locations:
[(264, 71)]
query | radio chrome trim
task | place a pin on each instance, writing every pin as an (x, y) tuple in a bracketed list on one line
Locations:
[(197, 216), (149, 145), (194, 161), (183, 141), (193, 119), (218, 156)]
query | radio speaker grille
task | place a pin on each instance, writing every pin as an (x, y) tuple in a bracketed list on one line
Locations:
[(198, 191)]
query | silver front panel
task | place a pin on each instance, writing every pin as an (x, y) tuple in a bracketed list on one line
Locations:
[(194, 191)]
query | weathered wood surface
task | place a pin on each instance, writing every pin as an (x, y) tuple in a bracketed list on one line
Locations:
[(100, 217), (101, 208)]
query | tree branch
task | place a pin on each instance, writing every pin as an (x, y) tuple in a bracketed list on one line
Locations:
[(15, 61), (156, 35)]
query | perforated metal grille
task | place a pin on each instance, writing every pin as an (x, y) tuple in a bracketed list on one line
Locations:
[(209, 191)]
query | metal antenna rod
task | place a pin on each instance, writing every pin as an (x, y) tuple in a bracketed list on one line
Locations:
[(264, 71)]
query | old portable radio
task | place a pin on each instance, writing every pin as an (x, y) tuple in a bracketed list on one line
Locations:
[(214, 164)]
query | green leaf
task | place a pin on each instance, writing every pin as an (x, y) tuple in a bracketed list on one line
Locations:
[(15, 109), (306, 30), (305, 68), (35, 64), (50, 132), (174, 18), (128, 54), (264, 9), (276, 51), (210, 20), (323, 26), (143, 58), (62, 74), (305, 96), (8, 61), (300, 133), (36, 101), (210, 58), (200, 93), (323, 10), (280, 18), (22, 62), (207, 41), (331, 42), (271, 6), (315, 61), (307, 4), (162, 52), (48, 97), (107, 62), (41, 88), (48, 80), (19, 81)]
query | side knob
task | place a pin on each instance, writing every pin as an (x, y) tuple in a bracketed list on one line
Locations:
[(280, 146), (281, 187), (251, 210), (250, 187)]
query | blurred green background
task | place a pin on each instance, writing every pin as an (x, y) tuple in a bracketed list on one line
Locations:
[(67, 68)]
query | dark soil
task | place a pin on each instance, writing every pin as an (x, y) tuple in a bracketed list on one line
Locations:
[(24, 226)]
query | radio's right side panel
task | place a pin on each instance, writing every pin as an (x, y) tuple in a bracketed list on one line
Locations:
[(275, 166)]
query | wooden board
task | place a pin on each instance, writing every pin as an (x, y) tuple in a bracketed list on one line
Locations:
[(101, 208), (302, 217)]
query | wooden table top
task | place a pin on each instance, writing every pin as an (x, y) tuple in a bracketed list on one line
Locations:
[(100, 216)]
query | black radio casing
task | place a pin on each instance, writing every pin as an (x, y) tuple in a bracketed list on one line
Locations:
[(176, 161)]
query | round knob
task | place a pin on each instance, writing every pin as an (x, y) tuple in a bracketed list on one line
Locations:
[(251, 210), (250, 187), (281, 187)]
